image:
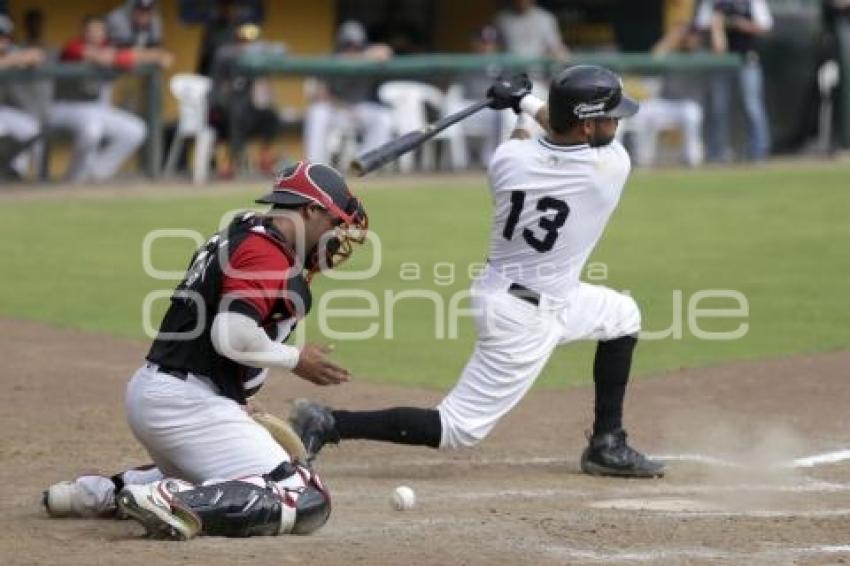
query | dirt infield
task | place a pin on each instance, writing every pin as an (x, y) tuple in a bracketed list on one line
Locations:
[(750, 478)]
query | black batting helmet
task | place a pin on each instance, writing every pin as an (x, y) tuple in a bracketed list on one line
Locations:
[(585, 92)]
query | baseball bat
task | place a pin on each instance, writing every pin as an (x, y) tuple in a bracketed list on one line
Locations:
[(393, 149)]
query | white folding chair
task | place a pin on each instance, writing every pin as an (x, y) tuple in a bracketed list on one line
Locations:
[(829, 75), (192, 94), (341, 140), (455, 136), (486, 128), (409, 102)]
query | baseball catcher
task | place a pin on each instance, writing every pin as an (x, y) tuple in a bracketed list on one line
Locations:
[(217, 470)]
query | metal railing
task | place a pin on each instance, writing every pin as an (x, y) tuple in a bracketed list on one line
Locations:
[(446, 64)]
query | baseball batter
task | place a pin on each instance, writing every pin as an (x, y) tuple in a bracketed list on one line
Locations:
[(217, 471), (552, 198)]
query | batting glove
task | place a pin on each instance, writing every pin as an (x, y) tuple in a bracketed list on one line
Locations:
[(508, 91)]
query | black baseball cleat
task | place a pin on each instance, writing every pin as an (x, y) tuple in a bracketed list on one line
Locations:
[(314, 424), (609, 454)]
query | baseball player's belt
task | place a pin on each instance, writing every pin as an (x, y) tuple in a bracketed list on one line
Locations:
[(524, 293), (184, 375), (176, 372)]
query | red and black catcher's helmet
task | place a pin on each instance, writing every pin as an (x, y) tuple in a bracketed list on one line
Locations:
[(306, 183), (585, 92)]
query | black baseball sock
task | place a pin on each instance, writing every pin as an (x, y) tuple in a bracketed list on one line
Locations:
[(611, 368), (403, 425)]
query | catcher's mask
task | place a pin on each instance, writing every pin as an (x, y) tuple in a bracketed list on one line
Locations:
[(306, 183)]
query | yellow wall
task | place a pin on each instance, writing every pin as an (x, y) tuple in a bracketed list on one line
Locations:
[(62, 19), (677, 12), (307, 28), (457, 21)]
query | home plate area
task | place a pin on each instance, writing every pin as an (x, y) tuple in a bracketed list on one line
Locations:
[(757, 455)]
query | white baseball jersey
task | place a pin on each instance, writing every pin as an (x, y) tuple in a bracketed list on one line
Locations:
[(550, 206)]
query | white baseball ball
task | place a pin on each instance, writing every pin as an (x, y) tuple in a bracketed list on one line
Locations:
[(403, 498)]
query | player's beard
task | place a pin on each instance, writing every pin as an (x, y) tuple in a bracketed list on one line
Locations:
[(598, 139), (319, 259)]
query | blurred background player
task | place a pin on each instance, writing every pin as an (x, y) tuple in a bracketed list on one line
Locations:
[(135, 24), (19, 130), (735, 26), (348, 100), (219, 30), (531, 31), (243, 106), (104, 136)]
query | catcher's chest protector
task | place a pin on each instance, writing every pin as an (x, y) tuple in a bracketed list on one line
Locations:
[(184, 339)]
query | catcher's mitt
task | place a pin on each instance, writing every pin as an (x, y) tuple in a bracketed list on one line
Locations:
[(283, 433)]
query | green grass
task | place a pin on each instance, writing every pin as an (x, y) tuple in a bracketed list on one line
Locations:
[(778, 235)]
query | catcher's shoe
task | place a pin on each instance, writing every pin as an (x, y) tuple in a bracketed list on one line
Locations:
[(314, 424), (87, 496), (610, 455), (162, 516)]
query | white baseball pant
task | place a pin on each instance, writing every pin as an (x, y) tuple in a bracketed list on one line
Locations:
[(190, 433), (515, 340), (370, 119), (104, 137), (22, 127), (193, 433)]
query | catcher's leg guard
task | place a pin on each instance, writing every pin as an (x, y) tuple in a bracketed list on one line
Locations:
[(237, 509), (291, 499), (305, 491)]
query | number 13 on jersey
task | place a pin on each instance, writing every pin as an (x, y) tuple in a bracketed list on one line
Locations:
[(548, 223)]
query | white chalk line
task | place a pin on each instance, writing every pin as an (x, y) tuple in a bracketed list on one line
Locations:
[(825, 458), (662, 490), (833, 457), (698, 459), (645, 556), (760, 514), (697, 553)]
